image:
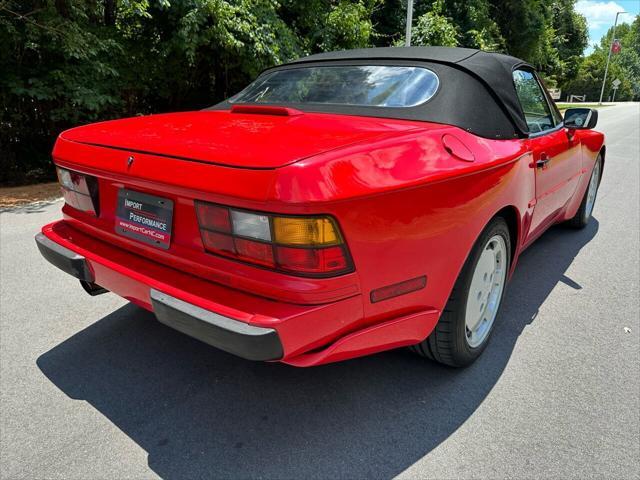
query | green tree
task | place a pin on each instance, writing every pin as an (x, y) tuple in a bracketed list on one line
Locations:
[(325, 25), (388, 19), (434, 28), (55, 71), (624, 66), (475, 26), (68, 62), (570, 39), (524, 27), (629, 57)]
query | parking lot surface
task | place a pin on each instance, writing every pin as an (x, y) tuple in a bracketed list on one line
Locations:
[(93, 387)]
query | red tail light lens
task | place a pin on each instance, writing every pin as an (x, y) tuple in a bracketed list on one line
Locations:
[(312, 260), (306, 245), (218, 242), (80, 191), (257, 252), (213, 217)]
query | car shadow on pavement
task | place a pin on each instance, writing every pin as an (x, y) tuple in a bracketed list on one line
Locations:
[(199, 412)]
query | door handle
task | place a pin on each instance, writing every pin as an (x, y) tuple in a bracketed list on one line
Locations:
[(543, 161)]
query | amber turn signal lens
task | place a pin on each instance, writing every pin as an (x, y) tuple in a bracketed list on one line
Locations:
[(305, 231)]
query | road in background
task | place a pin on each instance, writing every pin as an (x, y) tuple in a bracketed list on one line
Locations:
[(96, 388)]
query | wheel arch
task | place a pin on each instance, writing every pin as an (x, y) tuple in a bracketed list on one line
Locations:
[(512, 216)]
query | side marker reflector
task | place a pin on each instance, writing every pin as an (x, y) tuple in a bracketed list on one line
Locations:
[(397, 289)]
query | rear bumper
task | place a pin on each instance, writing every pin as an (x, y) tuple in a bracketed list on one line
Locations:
[(246, 341), (228, 334), (65, 259), (237, 322)]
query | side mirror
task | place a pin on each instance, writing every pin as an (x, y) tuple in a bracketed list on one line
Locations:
[(580, 118)]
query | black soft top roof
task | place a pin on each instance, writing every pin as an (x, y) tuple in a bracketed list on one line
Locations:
[(476, 91), (494, 70), (437, 54)]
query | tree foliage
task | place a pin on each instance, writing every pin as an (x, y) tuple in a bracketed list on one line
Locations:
[(624, 66), (550, 35), (69, 62), (435, 28)]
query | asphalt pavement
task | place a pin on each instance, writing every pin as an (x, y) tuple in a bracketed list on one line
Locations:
[(93, 387)]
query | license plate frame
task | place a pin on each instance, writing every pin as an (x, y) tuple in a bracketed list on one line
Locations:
[(144, 217)]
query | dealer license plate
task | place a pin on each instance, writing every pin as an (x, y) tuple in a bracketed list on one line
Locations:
[(144, 217)]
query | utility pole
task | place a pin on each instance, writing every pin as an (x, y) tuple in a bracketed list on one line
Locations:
[(407, 41), (606, 69)]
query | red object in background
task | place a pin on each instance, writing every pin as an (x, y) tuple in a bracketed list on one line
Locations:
[(409, 199), (616, 47)]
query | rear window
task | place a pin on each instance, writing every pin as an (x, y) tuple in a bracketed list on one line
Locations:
[(370, 86)]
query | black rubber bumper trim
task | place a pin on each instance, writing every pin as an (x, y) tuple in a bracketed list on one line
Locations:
[(232, 336), (65, 259)]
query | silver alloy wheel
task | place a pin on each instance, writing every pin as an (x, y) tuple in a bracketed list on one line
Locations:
[(593, 189), (485, 291)]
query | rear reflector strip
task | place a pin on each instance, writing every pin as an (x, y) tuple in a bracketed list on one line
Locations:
[(397, 289)]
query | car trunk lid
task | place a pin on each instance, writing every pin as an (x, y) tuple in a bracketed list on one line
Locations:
[(243, 139)]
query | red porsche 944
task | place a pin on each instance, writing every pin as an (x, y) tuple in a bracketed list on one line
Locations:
[(340, 205)]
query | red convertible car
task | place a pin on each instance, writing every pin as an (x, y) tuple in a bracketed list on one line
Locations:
[(342, 204)]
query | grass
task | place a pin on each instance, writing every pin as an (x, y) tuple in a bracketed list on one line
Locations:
[(564, 106)]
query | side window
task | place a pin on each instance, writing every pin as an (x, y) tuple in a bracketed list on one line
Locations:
[(554, 108), (534, 104)]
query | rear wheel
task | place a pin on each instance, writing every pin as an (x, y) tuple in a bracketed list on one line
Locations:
[(583, 215), (467, 321)]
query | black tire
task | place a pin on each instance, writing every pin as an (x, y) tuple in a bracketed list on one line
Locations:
[(582, 216), (447, 343)]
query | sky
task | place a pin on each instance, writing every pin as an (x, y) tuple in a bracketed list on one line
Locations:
[(601, 15)]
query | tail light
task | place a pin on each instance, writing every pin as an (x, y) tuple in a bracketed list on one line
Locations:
[(305, 246), (79, 190)]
